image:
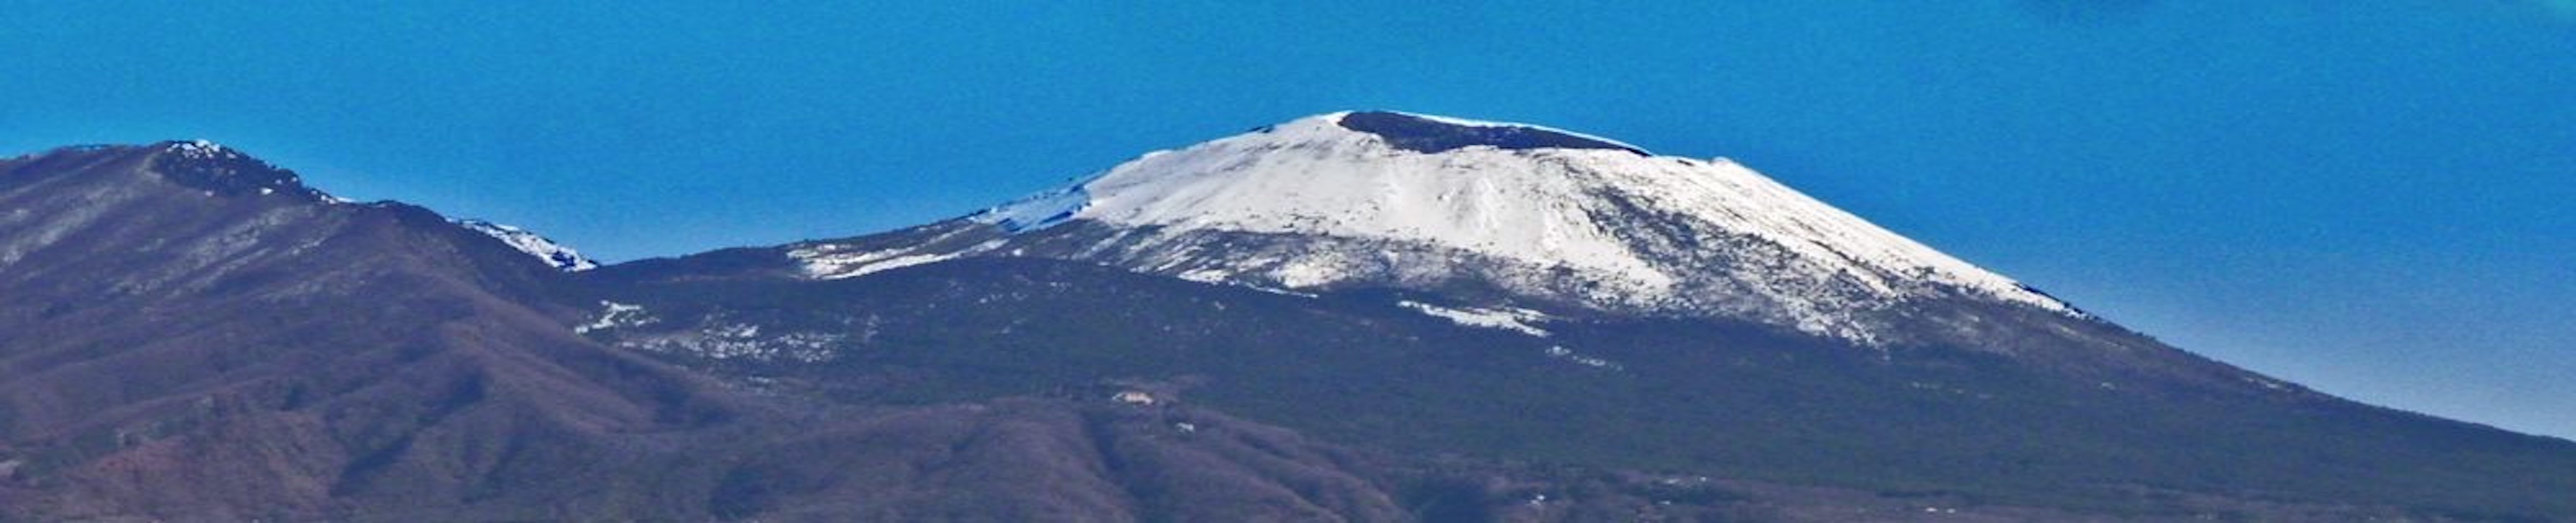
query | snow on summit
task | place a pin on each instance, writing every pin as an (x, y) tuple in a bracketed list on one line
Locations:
[(201, 148), (1385, 198), (228, 170)]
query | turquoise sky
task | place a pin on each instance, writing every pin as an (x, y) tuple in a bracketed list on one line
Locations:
[(2368, 197)]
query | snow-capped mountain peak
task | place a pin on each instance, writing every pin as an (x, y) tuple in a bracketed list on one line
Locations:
[(1359, 199), (556, 254)]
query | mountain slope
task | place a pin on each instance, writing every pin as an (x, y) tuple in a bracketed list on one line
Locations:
[(192, 334), (185, 318), (1657, 398)]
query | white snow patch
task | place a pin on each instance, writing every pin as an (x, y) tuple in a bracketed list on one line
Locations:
[(1205, 275), (1036, 211), (737, 330), (1282, 292), (1308, 272), (1517, 320), (822, 264), (897, 262), (202, 149), (827, 261), (614, 315), (1562, 353), (559, 255), (1223, 277)]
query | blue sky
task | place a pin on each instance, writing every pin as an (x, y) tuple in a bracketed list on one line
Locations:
[(2367, 197)]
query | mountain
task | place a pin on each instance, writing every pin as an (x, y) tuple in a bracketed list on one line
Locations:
[(1541, 216), (191, 334), (1509, 217), (1363, 316)]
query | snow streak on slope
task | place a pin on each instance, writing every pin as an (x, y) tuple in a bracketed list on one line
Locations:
[(1516, 320), (556, 254), (1579, 218)]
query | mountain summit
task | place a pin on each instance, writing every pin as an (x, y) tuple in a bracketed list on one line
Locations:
[(1528, 215)]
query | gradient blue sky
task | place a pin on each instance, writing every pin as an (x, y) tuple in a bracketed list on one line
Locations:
[(2368, 197)]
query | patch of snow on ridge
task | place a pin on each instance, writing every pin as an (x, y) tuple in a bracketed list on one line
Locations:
[(837, 265), (556, 254), (202, 149), (1212, 276), (613, 315), (1517, 320), (1036, 211), (1220, 277), (897, 262)]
